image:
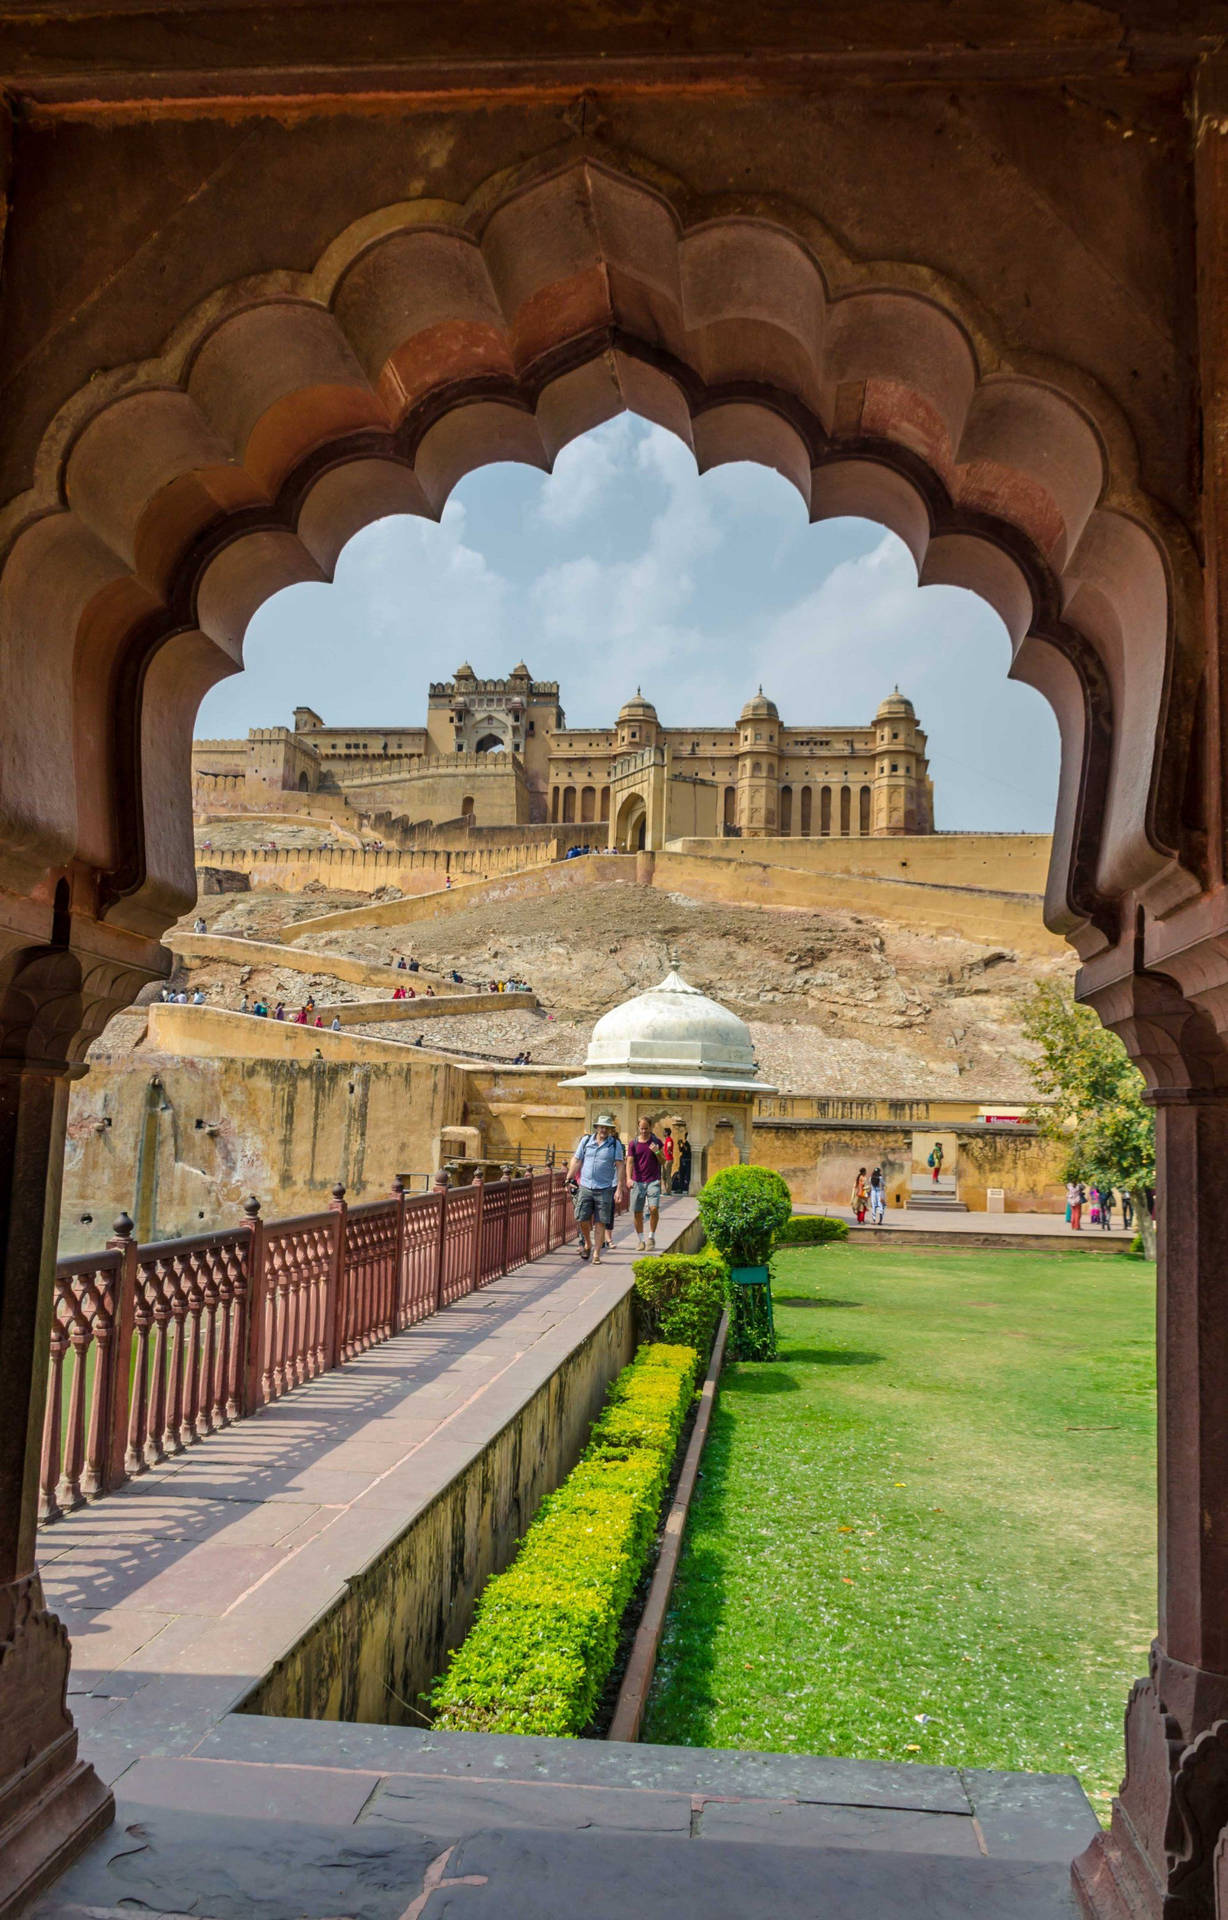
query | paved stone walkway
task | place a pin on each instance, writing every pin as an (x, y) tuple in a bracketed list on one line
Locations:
[(1004, 1226), (183, 1588)]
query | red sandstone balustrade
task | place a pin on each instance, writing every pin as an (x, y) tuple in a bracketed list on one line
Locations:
[(153, 1348)]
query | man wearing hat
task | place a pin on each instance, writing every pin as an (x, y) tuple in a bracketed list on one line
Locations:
[(599, 1165)]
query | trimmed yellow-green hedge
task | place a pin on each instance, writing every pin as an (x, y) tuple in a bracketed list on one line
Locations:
[(546, 1632)]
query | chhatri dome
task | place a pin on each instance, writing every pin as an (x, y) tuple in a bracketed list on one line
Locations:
[(637, 708), (672, 1036), (760, 708), (897, 706)]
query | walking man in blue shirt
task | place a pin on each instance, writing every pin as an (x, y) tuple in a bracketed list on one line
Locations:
[(599, 1164)]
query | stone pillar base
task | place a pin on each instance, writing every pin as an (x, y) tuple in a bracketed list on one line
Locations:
[(1158, 1861), (52, 1803), (1113, 1879)]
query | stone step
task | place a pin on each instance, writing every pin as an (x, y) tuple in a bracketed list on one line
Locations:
[(935, 1202), (305, 1820)]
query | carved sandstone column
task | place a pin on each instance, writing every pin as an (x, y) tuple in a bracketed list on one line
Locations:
[(1157, 1859), (52, 1001)]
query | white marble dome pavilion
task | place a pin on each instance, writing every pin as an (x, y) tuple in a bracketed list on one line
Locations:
[(672, 1036)]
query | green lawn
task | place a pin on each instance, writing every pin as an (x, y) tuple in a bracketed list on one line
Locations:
[(927, 1532)]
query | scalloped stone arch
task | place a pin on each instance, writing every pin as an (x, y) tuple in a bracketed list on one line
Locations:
[(174, 497)]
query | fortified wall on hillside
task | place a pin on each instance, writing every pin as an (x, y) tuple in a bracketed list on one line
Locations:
[(498, 753)]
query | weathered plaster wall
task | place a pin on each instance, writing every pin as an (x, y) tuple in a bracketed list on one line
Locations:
[(281, 1129), (819, 1159), (522, 1110), (374, 1654)]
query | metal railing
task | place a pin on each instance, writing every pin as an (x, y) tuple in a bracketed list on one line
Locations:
[(153, 1348)]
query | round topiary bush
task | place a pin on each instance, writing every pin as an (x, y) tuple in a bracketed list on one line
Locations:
[(743, 1209)]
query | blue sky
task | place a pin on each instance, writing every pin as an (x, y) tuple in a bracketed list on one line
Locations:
[(625, 567)]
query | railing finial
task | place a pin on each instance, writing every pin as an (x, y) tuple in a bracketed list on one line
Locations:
[(339, 1192), (251, 1207), (122, 1228)]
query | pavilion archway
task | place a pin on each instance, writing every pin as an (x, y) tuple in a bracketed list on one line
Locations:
[(173, 497)]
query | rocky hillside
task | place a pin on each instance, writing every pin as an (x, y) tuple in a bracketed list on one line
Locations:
[(838, 1003)]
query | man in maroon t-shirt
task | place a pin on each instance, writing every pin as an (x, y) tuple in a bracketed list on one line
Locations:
[(645, 1156)]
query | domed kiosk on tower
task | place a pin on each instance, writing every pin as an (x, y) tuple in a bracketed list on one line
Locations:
[(685, 1062)]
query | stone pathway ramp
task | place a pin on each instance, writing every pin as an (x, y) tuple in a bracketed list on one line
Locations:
[(182, 1589)]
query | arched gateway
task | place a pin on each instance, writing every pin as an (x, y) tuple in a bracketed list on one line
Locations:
[(534, 289)]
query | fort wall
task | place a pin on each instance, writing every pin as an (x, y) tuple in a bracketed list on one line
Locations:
[(360, 869), (929, 899), (997, 862)]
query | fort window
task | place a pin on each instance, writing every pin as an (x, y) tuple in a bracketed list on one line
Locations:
[(895, 766), (758, 768), (588, 803), (807, 809), (467, 804), (846, 810), (569, 805), (554, 806), (731, 806), (825, 810), (863, 811), (605, 803), (786, 809)]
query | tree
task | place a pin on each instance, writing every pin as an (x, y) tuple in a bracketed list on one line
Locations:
[(1090, 1098)]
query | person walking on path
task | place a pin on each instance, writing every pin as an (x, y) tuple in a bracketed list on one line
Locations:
[(647, 1157), (935, 1160), (878, 1198), (599, 1167), (1075, 1197), (667, 1157), (860, 1197), (1107, 1202)]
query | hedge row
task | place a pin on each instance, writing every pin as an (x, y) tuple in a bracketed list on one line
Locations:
[(546, 1631), (811, 1230)]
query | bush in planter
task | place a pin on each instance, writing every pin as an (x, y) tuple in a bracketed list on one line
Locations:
[(680, 1296), (811, 1230), (743, 1209)]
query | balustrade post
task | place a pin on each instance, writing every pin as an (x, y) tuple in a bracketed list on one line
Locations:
[(254, 1333), (441, 1246), (396, 1312), (335, 1302), (120, 1386), (507, 1220), (480, 1184)]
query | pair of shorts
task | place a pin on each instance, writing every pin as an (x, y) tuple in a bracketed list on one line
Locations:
[(596, 1203), (645, 1193)]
